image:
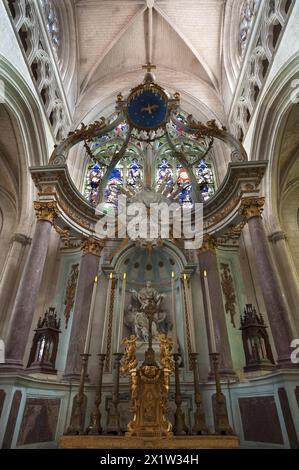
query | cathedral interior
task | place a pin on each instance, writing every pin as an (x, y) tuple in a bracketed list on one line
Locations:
[(190, 103)]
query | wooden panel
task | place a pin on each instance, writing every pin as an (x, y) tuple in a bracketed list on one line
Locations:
[(260, 420)]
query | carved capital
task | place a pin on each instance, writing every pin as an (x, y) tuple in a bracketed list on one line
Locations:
[(46, 210), (252, 207), (92, 245), (209, 243), (277, 236)]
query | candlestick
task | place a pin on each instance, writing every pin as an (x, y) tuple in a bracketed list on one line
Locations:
[(90, 319), (175, 332), (95, 416), (79, 402), (210, 317), (221, 421)]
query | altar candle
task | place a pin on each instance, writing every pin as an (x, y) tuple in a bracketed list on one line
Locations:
[(175, 339), (122, 309), (103, 345), (90, 319), (210, 317)]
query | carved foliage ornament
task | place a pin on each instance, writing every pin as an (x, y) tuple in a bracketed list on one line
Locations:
[(46, 210), (228, 291), (209, 244), (93, 246), (70, 292), (252, 207)]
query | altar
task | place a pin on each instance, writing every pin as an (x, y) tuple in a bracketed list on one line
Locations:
[(174, 442)]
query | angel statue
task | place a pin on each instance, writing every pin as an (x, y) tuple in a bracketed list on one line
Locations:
[(166, 356), (129, 360)]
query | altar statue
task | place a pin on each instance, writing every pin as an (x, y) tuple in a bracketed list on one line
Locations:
[(143, 303), (148, 297)]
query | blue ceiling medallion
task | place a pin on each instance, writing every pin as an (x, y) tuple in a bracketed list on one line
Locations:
[(147, 107)]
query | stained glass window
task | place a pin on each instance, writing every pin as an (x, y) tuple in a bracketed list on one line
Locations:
[(93, 179), (170, 175), (205, 177), (52, 22)]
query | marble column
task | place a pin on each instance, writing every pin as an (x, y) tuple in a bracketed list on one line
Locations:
[(18, 244), (28, 289), (289, 278), (89, 266), (208, 261), (252, 208)]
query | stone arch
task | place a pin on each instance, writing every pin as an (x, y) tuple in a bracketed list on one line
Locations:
[(275, 108)]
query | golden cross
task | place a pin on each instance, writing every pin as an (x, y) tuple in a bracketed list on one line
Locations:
[(149, 67)]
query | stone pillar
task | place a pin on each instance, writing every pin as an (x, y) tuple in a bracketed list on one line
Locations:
[(28, 290), (18, 244), (251, 208), (289, 278), (208, 261), (89, 266)]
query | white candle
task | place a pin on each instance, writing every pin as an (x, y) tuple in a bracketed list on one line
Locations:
[(175, 333), (122, 310), (90, 319), (107, 308), (210, 317)]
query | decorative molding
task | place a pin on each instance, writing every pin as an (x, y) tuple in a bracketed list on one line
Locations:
[(46, 210), (252, 207), (21, 238), (277, 237)]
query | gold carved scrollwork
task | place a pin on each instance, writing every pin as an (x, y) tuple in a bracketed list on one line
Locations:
[(166, 356), (209, 243), (228, 291), (129, 360), (202, 130), (92, 245), (252, 207), (46, 210), (70, 292), (86, 132)]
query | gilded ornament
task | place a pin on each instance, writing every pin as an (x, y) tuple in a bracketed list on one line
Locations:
[(92, 245), (129, 360), (209, 244), (252, 207), (46, 210), (166, 356), (228, 291), (70, 292)]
